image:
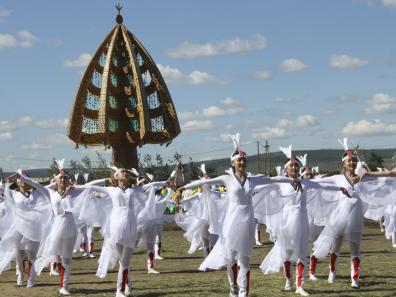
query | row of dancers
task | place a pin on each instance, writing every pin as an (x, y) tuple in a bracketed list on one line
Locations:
[(218, 214)]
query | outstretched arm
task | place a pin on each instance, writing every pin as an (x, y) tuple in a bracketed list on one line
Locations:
[(262, 180), (220, 180), (324, 186)]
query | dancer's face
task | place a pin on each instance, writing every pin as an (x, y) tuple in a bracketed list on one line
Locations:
[(63, 181), (308, 176), (122, 176), (293, 170), (350, 164), (240, 164)]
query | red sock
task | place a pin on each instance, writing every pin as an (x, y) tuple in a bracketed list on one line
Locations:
[(312, 264)]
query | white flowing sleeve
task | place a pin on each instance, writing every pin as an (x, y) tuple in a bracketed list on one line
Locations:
[(220, 180)]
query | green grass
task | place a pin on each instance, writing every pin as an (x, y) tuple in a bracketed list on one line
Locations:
[(179, 276)]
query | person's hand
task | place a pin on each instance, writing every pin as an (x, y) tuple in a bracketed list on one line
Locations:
[(345, 192), (297, 185)]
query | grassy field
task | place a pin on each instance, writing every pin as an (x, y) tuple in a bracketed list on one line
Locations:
[(179, 276)]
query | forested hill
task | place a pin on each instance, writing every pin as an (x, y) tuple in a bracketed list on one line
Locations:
[(327, 160)]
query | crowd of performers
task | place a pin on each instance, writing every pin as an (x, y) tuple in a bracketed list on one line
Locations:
[(42, 226)]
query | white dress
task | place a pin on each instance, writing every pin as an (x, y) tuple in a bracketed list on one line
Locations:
[(127, 216), (237, 234), (30, 219), (290, 228), (63, 234), (346, 219)]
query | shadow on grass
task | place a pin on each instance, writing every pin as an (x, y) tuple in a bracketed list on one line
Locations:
[(183, 258)]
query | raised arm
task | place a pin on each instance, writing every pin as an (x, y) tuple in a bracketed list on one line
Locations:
[(39, 187)]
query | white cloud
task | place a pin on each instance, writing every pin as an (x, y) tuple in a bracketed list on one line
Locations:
[(6, 136), (48, 142), (23, 39), (7, 126), (346, 62), (389, 3), (35, 146), (7, 40), (263, 74), (195, 125), (26, 39), (224, 137), (304, 124), (175, 76), (82, 61), (307, 121), (369, 128), (210, 49), (57, 138), (292, 65), (52, 123), (381, 103), (25, 121), (269, 133), (4, 14), (227, 107)]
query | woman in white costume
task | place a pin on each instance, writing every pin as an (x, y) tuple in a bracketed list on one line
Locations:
[(197, 220), (31, 219), (155, 204), (127, 217), (306, 172), (293, 231), (387, 217), (66, 201), (346, 220), (235, 244)]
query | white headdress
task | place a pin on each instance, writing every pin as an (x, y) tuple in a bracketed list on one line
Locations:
[(86, 176), (134, 171), (348, 153), (62, 172), (315, 169), (237, 147), (287, 151), (304, 161), (76, 176), (172, 175), (203, 169), (150, 176)]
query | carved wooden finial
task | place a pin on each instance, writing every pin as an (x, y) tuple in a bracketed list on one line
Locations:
[(119, 18)]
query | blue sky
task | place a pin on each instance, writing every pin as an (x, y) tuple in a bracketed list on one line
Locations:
[(298, 72)]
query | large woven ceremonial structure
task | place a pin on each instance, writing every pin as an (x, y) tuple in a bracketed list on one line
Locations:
[(123, 101)]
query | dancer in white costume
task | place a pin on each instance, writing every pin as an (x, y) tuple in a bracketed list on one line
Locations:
[(346, 220), (293, 233), (127, 217), (156, 204), (235, 244), (387, 218), (197, 220), (31, 219), (307, 172), (66, 201)]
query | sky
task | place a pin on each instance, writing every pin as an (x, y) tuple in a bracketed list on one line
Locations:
[(291, 72)]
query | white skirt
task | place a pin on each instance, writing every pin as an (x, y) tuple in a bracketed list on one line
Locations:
[(59, 243), (345, 221), (292, 242)]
